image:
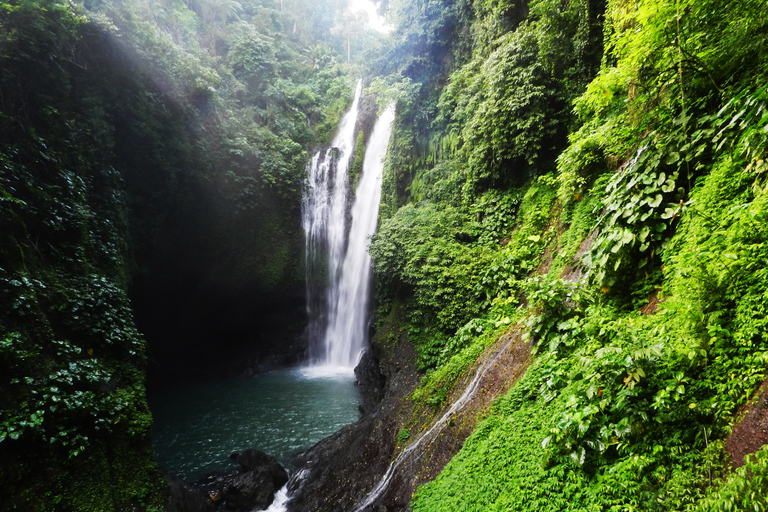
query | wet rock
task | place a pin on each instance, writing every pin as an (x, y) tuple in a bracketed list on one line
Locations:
[(265, 465), (253, 487), (367, 115), (370, 381), (249, 491), (182, 497), (341, 469)]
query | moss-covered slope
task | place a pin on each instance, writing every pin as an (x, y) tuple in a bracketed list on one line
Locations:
[(633, 252)]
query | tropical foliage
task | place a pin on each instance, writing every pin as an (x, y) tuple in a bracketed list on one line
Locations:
[(615, 201), (591, 172), (145, 148)]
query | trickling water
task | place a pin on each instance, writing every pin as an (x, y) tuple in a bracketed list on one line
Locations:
[(337, 330), (411, 453)]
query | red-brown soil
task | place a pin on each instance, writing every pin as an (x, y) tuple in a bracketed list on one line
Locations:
[(751, 430)]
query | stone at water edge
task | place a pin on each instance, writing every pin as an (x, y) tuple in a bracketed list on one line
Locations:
[(370, 381), (182, 497), (262, 463), (252, 487), (256, 487)]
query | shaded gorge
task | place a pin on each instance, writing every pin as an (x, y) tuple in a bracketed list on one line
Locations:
[(200, 429)]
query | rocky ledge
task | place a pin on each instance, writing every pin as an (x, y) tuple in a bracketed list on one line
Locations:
[(350, 471), (334, 474), (251, 487)]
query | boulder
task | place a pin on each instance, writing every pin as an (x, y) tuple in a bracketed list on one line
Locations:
[(252, 487), (182, 497), (249, 491), (263, 464)]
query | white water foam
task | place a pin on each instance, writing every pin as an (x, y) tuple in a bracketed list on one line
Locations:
[(327, 372), (280, 501)]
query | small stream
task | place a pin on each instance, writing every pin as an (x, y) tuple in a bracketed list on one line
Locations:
[(198, 427)]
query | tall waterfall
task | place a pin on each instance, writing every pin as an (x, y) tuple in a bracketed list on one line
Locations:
[(337, 252)]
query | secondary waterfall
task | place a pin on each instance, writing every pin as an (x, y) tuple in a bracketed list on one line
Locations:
[(337, 242)]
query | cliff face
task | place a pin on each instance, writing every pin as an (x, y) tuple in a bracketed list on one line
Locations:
[(73, 361)]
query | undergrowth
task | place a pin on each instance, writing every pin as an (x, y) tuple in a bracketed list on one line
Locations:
[(649, 322)]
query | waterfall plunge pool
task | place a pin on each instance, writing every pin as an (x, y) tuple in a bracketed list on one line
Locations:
[(197, 427)]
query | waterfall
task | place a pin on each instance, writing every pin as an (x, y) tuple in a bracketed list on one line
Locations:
[(324, 223), (345, 337), (337, 260)]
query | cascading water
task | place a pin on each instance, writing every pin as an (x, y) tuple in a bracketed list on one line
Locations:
[(338, 315), (345, 337), (286, 411), (324, 222)]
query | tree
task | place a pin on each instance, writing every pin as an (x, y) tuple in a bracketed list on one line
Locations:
[(349, 25), (214, 14)]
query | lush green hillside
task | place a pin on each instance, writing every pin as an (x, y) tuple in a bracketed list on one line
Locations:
[(593, 172)]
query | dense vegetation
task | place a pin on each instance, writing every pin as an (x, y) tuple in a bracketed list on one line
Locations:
[(589, 171), (151, 159), (593, 172)]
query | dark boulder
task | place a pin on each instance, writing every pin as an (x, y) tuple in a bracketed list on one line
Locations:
[(249, 491), (253, 487), (264, 465), (255, 460), (182, 497)]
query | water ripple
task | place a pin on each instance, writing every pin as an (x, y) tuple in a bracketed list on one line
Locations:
[(283, 412)]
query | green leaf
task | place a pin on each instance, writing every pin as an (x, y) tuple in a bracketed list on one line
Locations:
[(668, 213), (671, 159), (656, 201)]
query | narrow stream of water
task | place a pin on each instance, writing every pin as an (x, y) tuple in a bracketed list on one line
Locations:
[(198, 427)]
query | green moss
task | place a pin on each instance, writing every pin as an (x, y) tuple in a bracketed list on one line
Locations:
[(357, 164)]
